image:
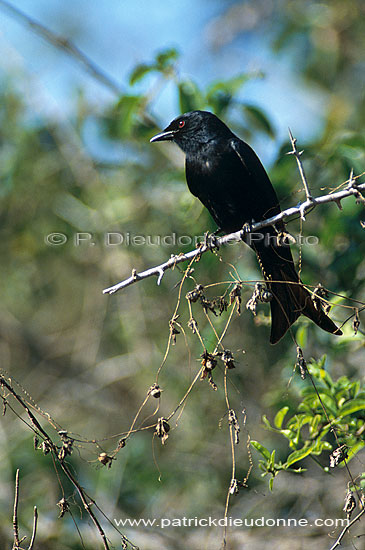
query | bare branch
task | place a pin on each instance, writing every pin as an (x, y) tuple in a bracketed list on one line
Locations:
[(297, 155), (34, 532), (345, 529), (64, 44), (15, 512), (85, 498), (351, 189)]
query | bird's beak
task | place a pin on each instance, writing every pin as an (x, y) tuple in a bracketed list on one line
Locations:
[(166, 135)]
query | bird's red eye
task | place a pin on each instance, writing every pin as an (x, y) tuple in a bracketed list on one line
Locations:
[(181, 123)]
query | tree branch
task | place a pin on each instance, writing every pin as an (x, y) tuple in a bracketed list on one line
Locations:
[(297, 155), (85, 498), (15, 511), (64, 44), (345, 529), (34, 532), (351, 189)]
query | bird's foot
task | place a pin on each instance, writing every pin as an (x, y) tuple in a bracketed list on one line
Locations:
[(247, 227), (246, 231)]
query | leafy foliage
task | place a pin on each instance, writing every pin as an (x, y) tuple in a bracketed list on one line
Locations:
[(325, 406)]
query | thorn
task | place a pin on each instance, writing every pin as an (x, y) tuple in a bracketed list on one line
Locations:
[(302, 211), (338, 202), (351, 180), (161, 273)]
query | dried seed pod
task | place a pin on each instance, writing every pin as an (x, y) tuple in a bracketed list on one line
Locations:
[(209, 363), (235, 294), (350, 504), (260, 294), (66, 449), (193, 325), (105, 459), (155, 391), (235, 486), (46, 447), (302, 365), (121, 443), (337, 456), (233, 421), (162, 429), (319, 294), (228, 359), (63, 506), (194, 295), (356, 321)]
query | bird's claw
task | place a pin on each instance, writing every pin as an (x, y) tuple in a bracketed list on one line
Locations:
[(246, 230), (247, 227)]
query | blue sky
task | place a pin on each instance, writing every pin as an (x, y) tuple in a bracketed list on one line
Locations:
[(117, 34)]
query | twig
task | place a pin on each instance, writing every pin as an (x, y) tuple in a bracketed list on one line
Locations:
[(34, 532), (345, 529), (15, 512), (297, 155), (351, 189), (87, 505), (85, 498), (17, 542), (64, 44)]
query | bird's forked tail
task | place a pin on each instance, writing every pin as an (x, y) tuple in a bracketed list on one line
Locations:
[(290, 298)]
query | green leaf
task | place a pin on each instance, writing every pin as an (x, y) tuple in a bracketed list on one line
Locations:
[(259, 120), (219, 94), (314, 423), (351, 407), (272, 460), (298, 455), (125, 111), (165, 58), (230, 86), (261, 449), (266, 422), (139, 72), (271, 483), (279, 417), (301, 336), (189, 96)]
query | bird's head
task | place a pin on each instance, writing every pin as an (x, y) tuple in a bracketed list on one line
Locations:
[(193, 130)]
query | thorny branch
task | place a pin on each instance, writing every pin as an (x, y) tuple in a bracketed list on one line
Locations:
[(297, 155), (352, 189), (345, 529)]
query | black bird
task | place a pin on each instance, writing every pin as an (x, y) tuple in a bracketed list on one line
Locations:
[(229, 179)]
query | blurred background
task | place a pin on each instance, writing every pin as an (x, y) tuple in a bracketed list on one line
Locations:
[(83, 88)]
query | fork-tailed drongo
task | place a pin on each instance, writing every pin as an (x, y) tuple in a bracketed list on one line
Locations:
[(229, 179)]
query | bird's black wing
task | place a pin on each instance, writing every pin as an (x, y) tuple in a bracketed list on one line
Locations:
[(260, 197)]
